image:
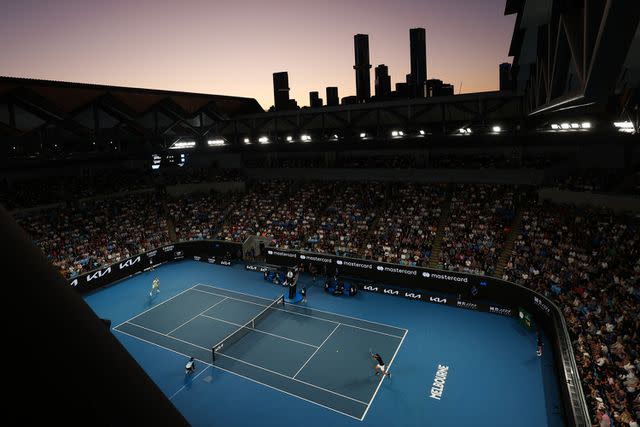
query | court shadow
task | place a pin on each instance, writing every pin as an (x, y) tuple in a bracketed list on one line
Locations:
[(520, 329), (188, 380)]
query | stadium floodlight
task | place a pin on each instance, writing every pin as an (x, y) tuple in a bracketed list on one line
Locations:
[(565, 126), (182, 145), (401, 133), (462, 130), (575, 126), (497, 129), (247, 141), (394, 133), (155, 167), (263, 140), (363, 135), (289, 138), (468, 130), (305, 137), (421, 132), (216, 142), (555, 126), (586, 125), (623, 125), (335, 136)]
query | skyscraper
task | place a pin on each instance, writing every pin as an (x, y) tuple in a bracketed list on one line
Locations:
[(332, 96), (314, 100), (362, 67), (281, 90), (383, 81), (436, 87), (505, 76), (418, 46)]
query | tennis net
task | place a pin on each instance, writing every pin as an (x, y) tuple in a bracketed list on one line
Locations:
[(248, 327)]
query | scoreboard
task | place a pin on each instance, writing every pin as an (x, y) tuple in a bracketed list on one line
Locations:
[(168, 160)]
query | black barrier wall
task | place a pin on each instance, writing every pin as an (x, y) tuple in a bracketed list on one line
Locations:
[(461, 290), (468, 291), (211, 251)]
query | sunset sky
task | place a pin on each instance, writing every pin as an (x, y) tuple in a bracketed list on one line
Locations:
[(232, 47)]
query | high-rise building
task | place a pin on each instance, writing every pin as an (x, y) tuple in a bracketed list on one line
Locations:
[(418, 46), (362, 67), (332, 96), (314, 100), (436, 87), (402, 90), (281, 91), (505, 76), (383, 82), (349, 100)]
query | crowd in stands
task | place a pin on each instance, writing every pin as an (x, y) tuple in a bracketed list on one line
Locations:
[(478, 161), (373, 162), (292, 225), (197, 216), (344, 226), (408, 161), (177, 176), (27, 193), (408, 225), (589, 262), (297, 163), (83, 236), (481, 216), (596, 180), (249, 212)]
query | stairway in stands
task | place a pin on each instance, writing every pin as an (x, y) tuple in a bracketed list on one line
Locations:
[(434, 260), (509, 244), (171, 227)]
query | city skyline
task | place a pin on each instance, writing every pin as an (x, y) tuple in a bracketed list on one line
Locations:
[(235, 49)]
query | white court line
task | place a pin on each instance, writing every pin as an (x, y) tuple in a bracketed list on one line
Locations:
[(379, 384), (314, 353), (156, 306), (251, 364), (299, 314), (293, 379), (192, 380), (242, 376), (206, 309), (259, 330), (315, 309), (165, 335)]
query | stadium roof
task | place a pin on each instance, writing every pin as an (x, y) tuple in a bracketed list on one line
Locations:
[(67, 97), (579, 55)]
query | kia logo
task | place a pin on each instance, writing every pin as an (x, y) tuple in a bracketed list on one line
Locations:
[(438, 300)]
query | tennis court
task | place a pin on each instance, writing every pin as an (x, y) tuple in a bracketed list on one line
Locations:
[(317, 356)]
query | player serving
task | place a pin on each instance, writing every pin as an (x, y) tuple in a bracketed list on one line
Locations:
[(380, 367)]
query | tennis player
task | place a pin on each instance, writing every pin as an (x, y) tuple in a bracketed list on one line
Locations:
[(190, 366), (380, 367), (155, 287)]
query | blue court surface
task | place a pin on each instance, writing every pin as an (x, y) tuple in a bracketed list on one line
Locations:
[(310, 363)]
